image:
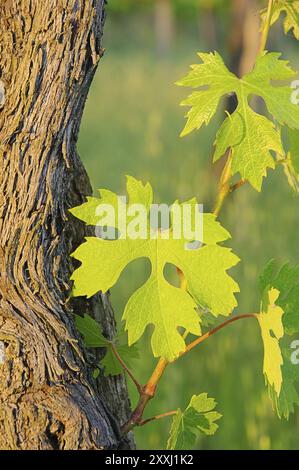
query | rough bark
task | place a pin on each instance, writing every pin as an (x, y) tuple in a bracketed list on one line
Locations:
[(49, 52)]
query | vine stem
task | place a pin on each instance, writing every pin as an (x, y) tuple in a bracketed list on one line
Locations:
[(224, 185), (126, 369), (207, 335), (153, 418), (267, 26), (237, 185), (149, 390)]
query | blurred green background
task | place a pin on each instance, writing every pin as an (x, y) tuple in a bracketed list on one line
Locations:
[(131, 126)]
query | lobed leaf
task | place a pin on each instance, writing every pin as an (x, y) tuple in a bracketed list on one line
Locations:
[(157, 302), (199, 417), (91, 332), (94, 338), (250, 136), (291, 19)]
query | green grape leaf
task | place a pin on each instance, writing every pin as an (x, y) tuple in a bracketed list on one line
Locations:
[(291, 19), (139, 193), (251, 150), (91, 332), (90, 211), (111, 363), (284, 403), (250, 136), (94, 338), (199, 417), (285, 281), (211, 73), (96, 373), (157, 302)]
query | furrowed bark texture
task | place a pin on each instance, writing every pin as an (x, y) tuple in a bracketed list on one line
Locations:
[(49, 51)]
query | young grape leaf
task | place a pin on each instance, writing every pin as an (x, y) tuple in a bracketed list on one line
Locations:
[(291, 20), (250, 136), (91, 332), (284, 280), (94, 338), (96, 373), (157, 302), (199, 417)]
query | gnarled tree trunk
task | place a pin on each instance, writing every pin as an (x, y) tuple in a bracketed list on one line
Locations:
[(49, 52)]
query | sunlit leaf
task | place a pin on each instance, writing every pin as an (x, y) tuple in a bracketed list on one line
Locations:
[(199, 417), (290, 10), (157, 302), (250, 136), (282, 285)]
